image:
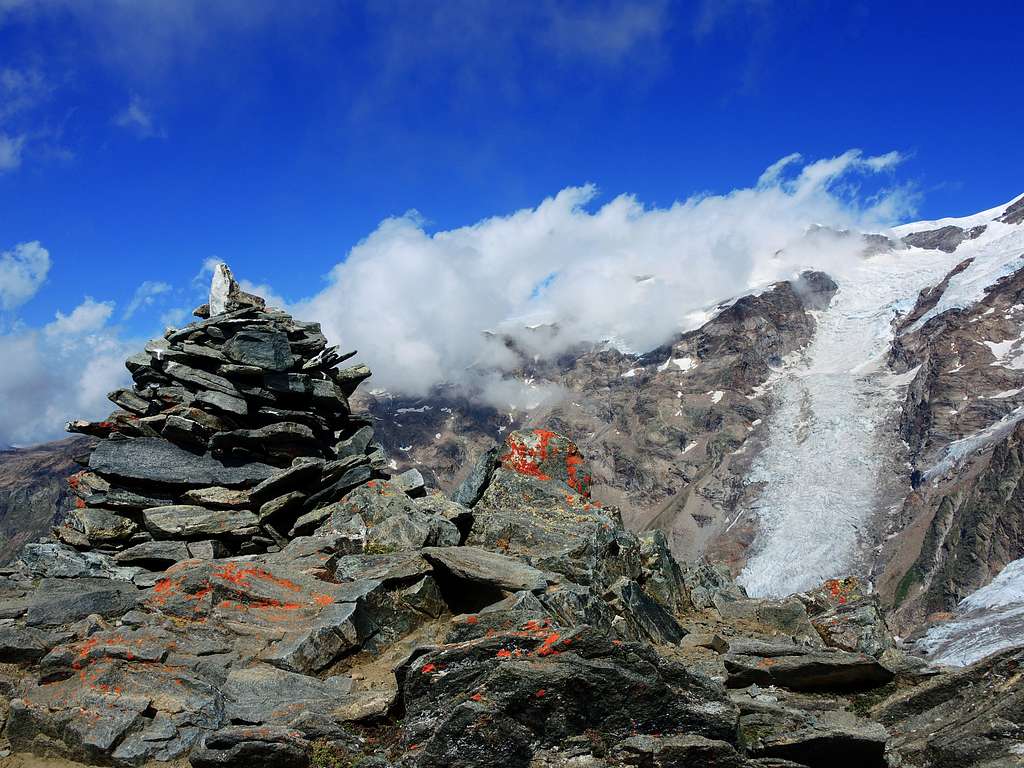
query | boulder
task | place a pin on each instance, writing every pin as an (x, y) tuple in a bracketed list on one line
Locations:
[(496, 700)]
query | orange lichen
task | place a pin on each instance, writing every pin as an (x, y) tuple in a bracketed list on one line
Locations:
[(472, 619), (504, 653), (547, 648), (234, 573)]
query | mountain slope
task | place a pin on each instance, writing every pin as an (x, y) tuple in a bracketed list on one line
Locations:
[(34, 492)]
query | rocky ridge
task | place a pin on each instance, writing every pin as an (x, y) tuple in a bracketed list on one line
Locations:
[(517, 623)]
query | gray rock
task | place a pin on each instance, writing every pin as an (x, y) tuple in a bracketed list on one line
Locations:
[(282, 439), (475, 483), (102, 526), (328, 397), (482, 566), (186, 521), (130, 401), (350, 378), (288, 383), (199, 380), (122, 499), (352, 478), (813, 670), (266, 695), (268, 350), (303, 472), (411, 481), (671, 751), (158, 461), (267, 747), (355, 444), (648, 618), (26, 644), (316, 647), (63, 601), (46, 560), (216, 497), (223, 403), (411, 530), (159, 554), (210, 549), (282, 505), (820, 740), (185, 431)]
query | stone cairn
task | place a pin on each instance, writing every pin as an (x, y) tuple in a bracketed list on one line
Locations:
[(235, 438)]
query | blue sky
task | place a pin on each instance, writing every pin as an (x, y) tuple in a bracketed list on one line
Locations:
[(138, 140)]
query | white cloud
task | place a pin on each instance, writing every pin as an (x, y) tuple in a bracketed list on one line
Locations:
[(138, 119), (63, 372), (87, 318), (22, 271), (416, 303), (144, 296), (10, 151)]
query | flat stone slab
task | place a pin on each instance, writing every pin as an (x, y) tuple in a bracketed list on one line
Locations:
[(813, 671), (185, 521), (485, 567), (64, 601), (150, 459)]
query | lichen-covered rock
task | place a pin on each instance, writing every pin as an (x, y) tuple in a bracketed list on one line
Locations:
[(520, 691)]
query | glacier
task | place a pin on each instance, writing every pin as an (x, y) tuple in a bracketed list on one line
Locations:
[(831, 462)]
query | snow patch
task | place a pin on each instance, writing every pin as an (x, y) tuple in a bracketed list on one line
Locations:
[(990, 620)]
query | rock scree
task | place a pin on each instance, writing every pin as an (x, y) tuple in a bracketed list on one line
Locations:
[(241, 583)]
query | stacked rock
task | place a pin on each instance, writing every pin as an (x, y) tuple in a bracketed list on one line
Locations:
[(236, 437)]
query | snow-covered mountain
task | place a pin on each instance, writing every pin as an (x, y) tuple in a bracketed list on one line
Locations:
[(808, 431)]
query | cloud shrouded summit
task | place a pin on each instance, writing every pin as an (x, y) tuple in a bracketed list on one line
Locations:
[(417, 303)]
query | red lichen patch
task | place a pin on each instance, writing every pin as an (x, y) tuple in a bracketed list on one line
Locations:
[(536, 626), (476, 697), (426, 669), (540, 694), (236, 574), (504, 653), (842, 590), (547, 648), (323, 600), (572, 464), (472, 619), (525, 460)]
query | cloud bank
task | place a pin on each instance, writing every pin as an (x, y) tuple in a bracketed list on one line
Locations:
[(416, 303), (64, 371)]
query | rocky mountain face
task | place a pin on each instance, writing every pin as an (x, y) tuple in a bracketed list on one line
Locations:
[(665, 432), (964, 522), (34, 493)]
